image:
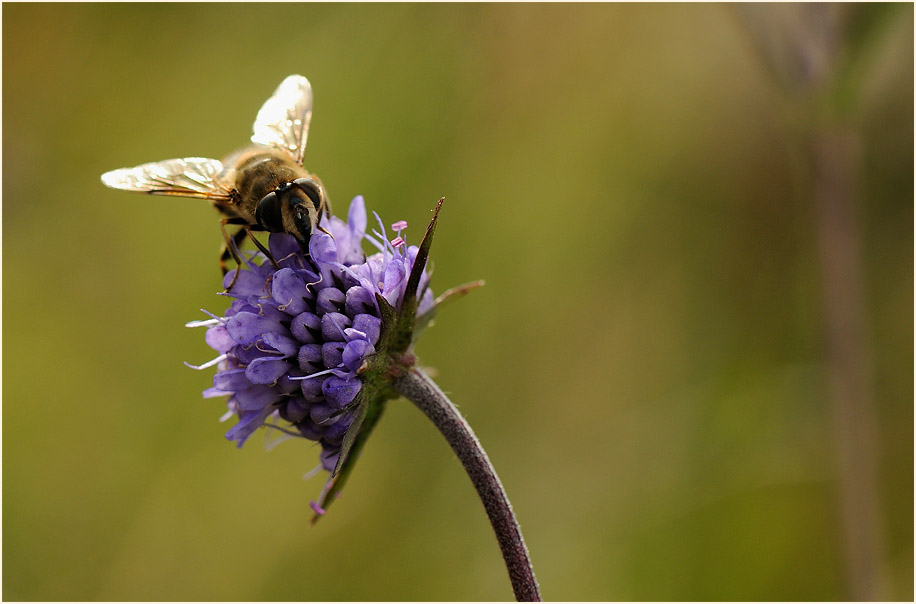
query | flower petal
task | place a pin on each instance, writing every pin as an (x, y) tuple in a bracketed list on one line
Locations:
[(322, 248), (395, 281), (355, 352), (333, 325), (332, 354), (340, 392), (356, 216), (249, 283), (266, 370), (255, 397), (359, 300), (286, 385), (306, 327), (311, 390), (323, 414), (294, 411), (330, 299), (281, 343), (334, 433), (309, 430), (369, 325), (282, 245), (329, 459), (218, 339), (289, 291), (249, 421), (310, 359), (231, 380), (246, 327)]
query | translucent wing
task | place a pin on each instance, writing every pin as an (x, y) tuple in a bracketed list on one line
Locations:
[(186, 177), (283, 121)]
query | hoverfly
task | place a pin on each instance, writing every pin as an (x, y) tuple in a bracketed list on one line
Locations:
[(263, 187)]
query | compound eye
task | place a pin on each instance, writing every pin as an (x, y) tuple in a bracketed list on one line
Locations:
[(268, 214), (311, 189)]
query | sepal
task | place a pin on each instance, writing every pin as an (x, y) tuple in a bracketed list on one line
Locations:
[(367, 415)]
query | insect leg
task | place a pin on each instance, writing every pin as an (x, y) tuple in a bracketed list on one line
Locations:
[(230, 246), (325, 206), (260, 246), (230, 249)]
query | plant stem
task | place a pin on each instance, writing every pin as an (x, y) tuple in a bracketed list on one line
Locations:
[(425, 394), (836, 165)]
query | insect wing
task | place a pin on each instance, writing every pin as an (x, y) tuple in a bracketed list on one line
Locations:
[(185, 177), (283, 121)]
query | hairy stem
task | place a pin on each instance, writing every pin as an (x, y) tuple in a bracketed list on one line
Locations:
[(425, 394)]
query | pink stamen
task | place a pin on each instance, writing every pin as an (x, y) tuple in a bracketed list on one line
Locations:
[(317, 508), (400, 225), (397, 241)]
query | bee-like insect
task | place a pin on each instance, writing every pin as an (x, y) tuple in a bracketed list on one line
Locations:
[(263, 187)]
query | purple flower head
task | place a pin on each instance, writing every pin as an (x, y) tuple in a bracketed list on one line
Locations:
[(300, 343)]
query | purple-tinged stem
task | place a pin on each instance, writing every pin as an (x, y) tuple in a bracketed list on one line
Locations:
[(425, 394)]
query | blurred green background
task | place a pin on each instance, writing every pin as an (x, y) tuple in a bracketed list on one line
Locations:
[(648, 365)]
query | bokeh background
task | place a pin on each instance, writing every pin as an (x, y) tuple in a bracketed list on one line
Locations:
[(691, 363)]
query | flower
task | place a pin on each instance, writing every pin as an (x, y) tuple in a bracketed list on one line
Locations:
[(309, 340)]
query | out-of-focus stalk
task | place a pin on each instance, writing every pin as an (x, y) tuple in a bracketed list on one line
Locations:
[(835, 173), (804, 48)]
